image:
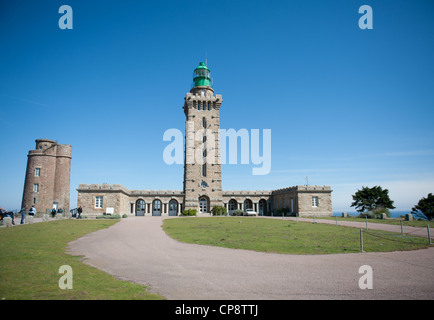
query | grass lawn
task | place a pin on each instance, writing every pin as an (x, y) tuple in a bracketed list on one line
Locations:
[(393, 221), (30, 257), (283, 236)]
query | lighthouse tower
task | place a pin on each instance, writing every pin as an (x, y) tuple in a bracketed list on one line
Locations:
[(202, 168), (47, 181)]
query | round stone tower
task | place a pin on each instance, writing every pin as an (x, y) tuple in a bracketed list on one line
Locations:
[(47, 181)]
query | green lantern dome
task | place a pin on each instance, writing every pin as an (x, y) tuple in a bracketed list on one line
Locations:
[(201, 76)]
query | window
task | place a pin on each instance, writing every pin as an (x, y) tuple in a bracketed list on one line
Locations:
[(98, 202), (314, 201), (204, 122), (209, 105), (204, 170), (34, 200), (37, 172), (140, 205), (232, 205), (36, 187), (204, 184)]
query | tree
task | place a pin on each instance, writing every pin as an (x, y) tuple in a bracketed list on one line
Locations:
[(369, 199), (424, 208)]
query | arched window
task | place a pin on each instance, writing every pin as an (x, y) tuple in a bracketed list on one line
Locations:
[(232, 205), (248, 204)]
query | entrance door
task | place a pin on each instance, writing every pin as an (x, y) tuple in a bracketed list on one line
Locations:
[(261, 208), (173, 208), (156, 208), (232, 205), (140, 208), (203, 205)]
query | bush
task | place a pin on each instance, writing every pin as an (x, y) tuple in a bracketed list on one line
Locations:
[(375, 213), (189, 212), (380, 211), (367, 214), (281, 212), (124, 216), (237, 212), (114, 216), (219, 211)]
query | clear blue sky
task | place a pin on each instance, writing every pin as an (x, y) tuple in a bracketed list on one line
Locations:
[(347, 107)]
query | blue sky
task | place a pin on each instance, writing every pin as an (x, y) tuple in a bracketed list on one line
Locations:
[(347, 107)]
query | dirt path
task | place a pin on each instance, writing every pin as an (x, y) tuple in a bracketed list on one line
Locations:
[(138, 250)]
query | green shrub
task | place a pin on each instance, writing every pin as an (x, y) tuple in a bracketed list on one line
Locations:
[(379, 211), (367, 214), (114, 216), (124, 216), (189, 212), (219, 211), (375, 213), (237, 212)]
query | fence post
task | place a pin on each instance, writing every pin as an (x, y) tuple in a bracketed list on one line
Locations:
[(366, 219), (402, 230), (361, 240), (429, 237)]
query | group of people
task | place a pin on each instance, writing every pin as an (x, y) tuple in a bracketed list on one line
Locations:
[(10, 214), (54, 211), (32, 212)]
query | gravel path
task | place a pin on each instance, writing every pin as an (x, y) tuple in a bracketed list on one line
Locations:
[(138, 250)]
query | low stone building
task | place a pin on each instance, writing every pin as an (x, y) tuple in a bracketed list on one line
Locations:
[(116, 199), (202, 177)]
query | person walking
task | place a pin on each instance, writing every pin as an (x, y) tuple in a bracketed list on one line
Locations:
[(53, 213), (23, 214), (79, 210)]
